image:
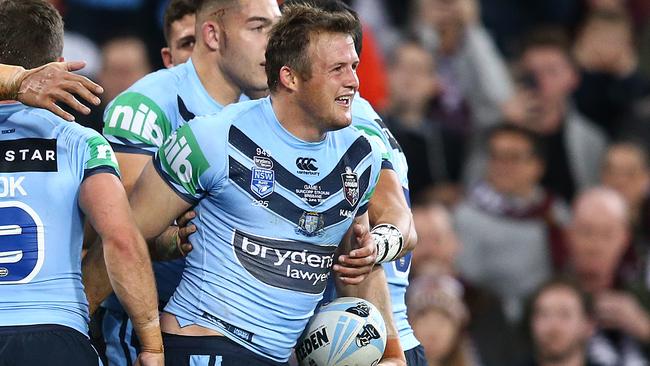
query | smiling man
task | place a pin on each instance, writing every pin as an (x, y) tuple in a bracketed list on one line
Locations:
[(267, 235)]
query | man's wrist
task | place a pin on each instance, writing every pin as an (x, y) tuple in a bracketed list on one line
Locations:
[(10, 79), (389, 241), (150, 336)]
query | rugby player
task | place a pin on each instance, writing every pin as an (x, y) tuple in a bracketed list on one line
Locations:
[(390, 205), (179, 31), (228, 57), (268, 227), (43, 86), (53, 175)]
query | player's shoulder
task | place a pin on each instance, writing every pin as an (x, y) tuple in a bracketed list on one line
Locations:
[(363, 111), (237, 114)]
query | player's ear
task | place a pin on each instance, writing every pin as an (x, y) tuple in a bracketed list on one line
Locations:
[(210, 31), (166, 55), (60, 59), (288, 78)]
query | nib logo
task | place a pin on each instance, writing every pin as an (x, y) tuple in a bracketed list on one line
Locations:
[(177, 153), (137, 117), (182, 159)]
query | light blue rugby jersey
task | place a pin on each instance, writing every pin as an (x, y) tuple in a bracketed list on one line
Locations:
[(43, 161), (141, 118), (366, 120), (271, 210)]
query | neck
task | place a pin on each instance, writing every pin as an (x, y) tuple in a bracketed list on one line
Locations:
[(221, 88), (577, 358), (295, 119)]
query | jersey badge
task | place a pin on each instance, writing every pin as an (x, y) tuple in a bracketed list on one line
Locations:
[(310, 224), (262, 181), (350, 186)]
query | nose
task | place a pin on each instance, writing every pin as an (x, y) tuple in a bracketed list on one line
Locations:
[(351, 79)]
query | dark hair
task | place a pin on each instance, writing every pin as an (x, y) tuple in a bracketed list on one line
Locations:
[(201, 5), (609, 16), (176, 10), (290, 38), (334, 6), (548, 37), (32, 33), (538, 148)]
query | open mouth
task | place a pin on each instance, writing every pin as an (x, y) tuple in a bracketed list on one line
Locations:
[(344, 100)]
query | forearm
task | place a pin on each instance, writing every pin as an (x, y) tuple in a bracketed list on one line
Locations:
[(401, 218), (10, 79), (388, 206), (131, 277), (95, 277)]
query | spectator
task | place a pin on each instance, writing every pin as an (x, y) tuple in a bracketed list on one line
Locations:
[(598, 239), (626, 170), (124, 61), (561, 324), (509, 225), (543, 104), (611, 81), (438, 315), (473, 77), (413, 85), (438, 244)]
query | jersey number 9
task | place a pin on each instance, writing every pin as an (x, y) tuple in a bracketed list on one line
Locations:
[(21, 243)]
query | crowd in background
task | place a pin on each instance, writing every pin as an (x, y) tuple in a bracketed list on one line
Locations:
[(526, 126)]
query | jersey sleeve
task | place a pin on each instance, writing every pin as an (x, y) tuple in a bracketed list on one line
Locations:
[(93, 153), (138, 120), (192, 160)]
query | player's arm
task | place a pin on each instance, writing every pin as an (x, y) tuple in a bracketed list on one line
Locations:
[(155, 206), (98, 287), (375, 289), (391, 218), (43, 86), (104, 201)]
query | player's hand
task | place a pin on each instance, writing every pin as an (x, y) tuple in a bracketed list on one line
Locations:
[(43, 86), (354, 267), (185, 229), (150, 359)]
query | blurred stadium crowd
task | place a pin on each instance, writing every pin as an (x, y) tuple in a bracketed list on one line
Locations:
[(526, 127)]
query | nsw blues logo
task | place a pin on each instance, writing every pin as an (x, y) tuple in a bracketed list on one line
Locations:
[(262, 181)]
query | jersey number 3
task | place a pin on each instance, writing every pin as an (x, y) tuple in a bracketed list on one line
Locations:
[(22, 243)]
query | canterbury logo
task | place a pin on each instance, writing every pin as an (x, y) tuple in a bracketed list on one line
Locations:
[(306, 164)]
